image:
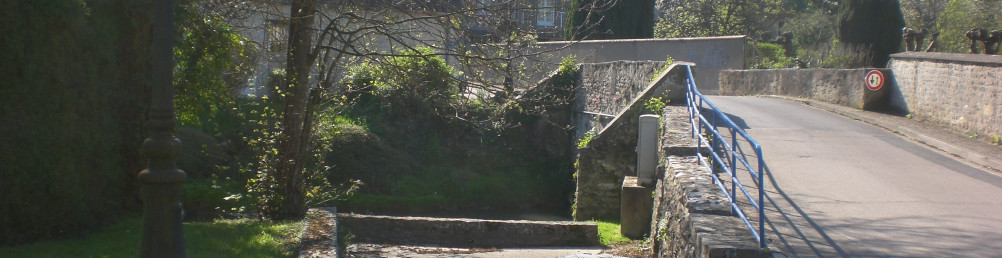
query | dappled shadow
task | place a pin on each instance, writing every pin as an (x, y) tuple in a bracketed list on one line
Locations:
[(714, 119)]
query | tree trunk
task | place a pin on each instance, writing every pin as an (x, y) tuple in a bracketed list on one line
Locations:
[(292, 148)]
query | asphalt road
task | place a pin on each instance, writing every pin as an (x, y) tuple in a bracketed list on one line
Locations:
[(840, 187)]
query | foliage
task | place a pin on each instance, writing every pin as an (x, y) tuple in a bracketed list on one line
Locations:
[(923, 14), (668, 62), (401, 141), (874, 25), (761, 55), (213, 60), (703, 18), (585, 140), (655, 105), (73, 97), (415, 81), (961, 15), (563, 82), (220, 238), (813, 39), (621, 20), (609, 233)]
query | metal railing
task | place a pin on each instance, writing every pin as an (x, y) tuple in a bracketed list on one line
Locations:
[(724, 156)]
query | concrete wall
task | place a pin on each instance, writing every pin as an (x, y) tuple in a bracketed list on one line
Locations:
[(962, 92), (710, 54), (844, 87), (610, 155)]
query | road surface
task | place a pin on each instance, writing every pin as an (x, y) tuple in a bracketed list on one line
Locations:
[(840, 187)]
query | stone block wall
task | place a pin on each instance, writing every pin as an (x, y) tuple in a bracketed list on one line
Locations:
[(610, 155), (691, 216), (962, 92), (453, 232), (837, 86), (605, 89)]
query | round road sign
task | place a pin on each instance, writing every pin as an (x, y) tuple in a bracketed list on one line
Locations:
[(874, 80)]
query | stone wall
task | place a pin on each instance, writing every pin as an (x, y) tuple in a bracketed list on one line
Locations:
[(610, 154), (837, 86), (962, 92), (691, 216), (604, 89), (710, 54), (467, 232)]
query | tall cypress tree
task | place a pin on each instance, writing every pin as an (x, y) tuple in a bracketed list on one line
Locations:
[(873, 26)]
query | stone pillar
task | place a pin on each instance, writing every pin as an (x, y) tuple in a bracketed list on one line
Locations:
[(635, 211)]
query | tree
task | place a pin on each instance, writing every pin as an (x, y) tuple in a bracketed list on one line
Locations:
[(616, 19), (959, 16), (212, 61), (922, 14), (871, 27), (485, 37), (701, 18)]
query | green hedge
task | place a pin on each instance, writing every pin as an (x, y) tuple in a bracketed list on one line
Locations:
[(71, 83)]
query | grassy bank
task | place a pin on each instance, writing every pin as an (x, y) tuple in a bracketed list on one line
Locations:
[(609, 234), (220, 238)]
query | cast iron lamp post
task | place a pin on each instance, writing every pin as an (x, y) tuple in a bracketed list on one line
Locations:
[(162, 182)]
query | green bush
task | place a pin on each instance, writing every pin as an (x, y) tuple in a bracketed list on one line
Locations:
[(212, 63), (768, 56), (415, 81)]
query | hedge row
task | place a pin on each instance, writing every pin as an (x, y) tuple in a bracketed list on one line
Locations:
[(73, 91)]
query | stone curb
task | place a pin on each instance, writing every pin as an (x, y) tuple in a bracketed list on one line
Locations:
[(985, 161), (468, 233), (320, 234)]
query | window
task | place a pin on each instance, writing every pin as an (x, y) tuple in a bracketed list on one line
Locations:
[(547, 13), (275, 36)]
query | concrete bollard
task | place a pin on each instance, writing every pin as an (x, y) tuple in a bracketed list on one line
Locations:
[(647, 149)]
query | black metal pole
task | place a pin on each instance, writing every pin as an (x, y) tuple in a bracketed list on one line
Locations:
[(162, 182)]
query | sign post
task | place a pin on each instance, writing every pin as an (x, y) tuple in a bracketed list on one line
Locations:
[(874, 80)]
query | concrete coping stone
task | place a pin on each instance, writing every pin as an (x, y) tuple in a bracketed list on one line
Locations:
[(982, 59)]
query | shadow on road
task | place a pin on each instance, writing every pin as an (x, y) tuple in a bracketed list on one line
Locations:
[(791, 219), (738, 121)]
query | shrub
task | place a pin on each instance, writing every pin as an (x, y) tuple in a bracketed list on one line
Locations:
[(655, 105), (767, 56), (414, 79)]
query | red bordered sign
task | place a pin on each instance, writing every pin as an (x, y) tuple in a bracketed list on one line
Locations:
[(874, 80)]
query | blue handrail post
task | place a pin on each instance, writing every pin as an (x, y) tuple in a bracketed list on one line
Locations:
[(734, 165), (761, 203)]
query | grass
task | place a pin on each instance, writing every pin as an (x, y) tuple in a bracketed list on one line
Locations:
[(609, 234), (221, 238)]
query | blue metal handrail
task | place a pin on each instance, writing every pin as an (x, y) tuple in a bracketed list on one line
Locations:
[(732, 154)]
